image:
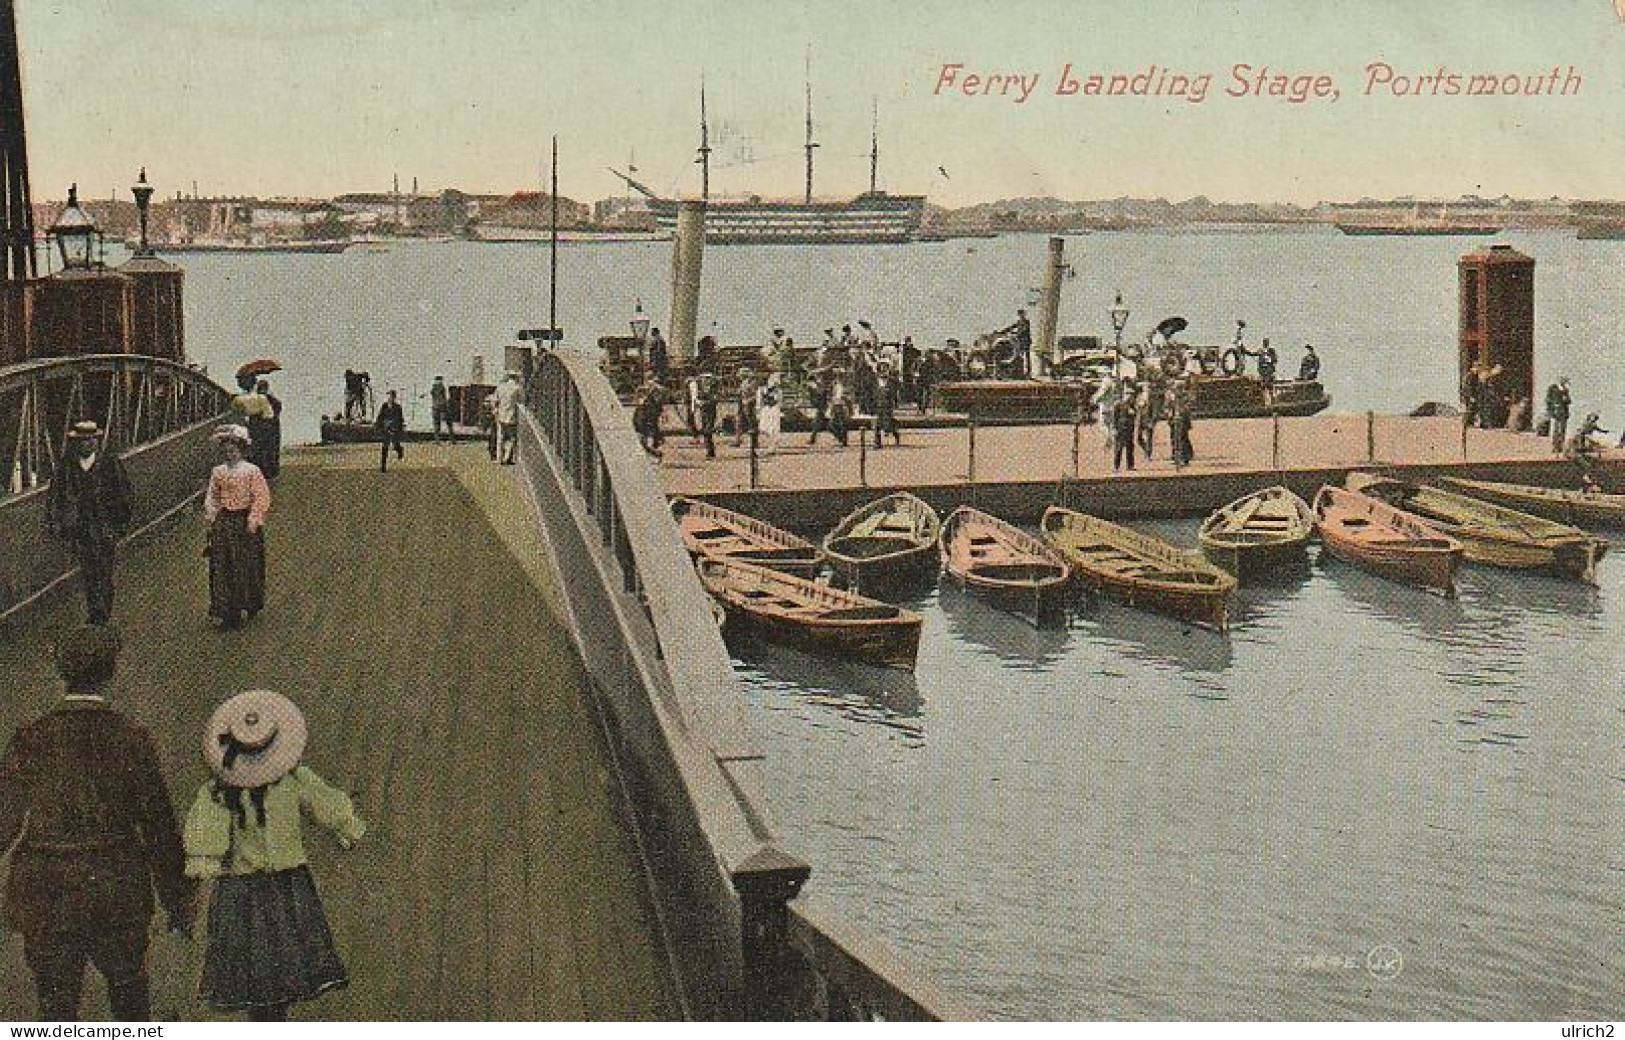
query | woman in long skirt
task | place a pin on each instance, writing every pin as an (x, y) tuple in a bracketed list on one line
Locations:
[(269, 944), (235, 507), (769, 415)]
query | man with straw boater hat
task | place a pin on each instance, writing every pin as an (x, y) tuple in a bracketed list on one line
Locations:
[(82, 788), (90, 506)]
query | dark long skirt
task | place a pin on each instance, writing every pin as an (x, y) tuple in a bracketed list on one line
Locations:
[(236, 566), (269, 943), (266, 449)]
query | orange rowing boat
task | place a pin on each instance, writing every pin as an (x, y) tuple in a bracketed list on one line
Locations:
[(1374, 535)]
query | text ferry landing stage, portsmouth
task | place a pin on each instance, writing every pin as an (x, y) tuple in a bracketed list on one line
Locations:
[(1377, 79)]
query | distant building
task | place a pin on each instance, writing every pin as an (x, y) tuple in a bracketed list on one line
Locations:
[(623, 213), (533, 210)]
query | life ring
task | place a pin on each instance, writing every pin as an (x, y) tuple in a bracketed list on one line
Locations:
[(1230, 362)]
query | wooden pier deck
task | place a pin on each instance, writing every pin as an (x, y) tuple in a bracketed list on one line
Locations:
[(1021, 465), (408, 614)]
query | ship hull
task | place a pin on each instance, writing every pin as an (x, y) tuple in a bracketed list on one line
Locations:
[(869, 219), (1401, 229)]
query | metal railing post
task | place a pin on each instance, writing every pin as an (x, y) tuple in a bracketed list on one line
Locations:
[(1275, 441), (1371, 436), (1077, 443), (765, 883), (863, 457), (970, 449), (755, 461)]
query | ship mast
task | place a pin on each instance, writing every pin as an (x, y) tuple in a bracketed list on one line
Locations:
[(874, 143), (809, 145), (705, 148)]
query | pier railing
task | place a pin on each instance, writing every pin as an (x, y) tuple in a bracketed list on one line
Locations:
[(157, 414), (725, 889)]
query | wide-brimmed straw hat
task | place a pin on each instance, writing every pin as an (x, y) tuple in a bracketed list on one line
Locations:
[(85, 430), (232, 432), (254, 739)]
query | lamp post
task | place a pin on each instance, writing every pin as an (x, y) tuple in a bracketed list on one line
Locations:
[(1119, 313), (640, 324), (76, 234), (143, 200)]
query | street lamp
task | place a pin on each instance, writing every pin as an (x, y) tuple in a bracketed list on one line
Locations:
[(143, 199), (1119, 314), (640, 324), (76, 234)]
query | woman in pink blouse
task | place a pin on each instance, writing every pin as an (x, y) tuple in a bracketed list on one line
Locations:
[(235, 507)]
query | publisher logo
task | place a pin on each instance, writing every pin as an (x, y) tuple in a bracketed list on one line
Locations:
[(1383, 961)]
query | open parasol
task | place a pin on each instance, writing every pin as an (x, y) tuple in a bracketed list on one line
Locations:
[(1167, 328), (258, 368)]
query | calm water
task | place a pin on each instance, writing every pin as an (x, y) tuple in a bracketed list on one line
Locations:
[(1382, 312), (1123, 818), (1128, 818)]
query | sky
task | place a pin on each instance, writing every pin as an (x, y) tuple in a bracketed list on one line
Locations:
[(318, 97)]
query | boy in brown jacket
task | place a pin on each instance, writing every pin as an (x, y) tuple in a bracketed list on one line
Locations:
[(84, 800)]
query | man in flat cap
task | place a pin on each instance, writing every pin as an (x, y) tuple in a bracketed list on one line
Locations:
[(84, 801), (90, 507)]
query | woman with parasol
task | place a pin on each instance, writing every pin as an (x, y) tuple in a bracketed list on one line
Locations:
[(260, 414)]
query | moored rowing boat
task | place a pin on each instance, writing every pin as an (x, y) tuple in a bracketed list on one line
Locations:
[(1490, 533), (1139, 569), (1003, 562), (1561, 504), (716, 533), (1373, 534), (813, 616), (885, 544), (1257, 531)]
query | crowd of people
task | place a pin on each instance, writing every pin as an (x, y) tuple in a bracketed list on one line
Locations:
[(849, 381), (498, 417), (1489, 403), (852, 380)]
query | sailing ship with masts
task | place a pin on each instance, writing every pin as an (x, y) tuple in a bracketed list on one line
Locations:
[(872, 217)]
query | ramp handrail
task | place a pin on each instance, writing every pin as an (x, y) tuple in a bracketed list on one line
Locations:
[(135, 399), (675, 702)]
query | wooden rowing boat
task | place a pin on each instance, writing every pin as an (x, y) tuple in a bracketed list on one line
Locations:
[(1490, 533), (1373, 534), (885, 544), (1595, 508), (1257, 531), (1004, 563), (1139, 569), (812, 616), (716, 533)]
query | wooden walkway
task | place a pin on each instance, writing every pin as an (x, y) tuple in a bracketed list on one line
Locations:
[(1009, 454), (408, 616)]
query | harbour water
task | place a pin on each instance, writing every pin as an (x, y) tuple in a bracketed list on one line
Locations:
[(1381, 311), (1123, 818), (1127, 818)]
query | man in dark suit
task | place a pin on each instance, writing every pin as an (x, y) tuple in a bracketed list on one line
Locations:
[(90, 505), (391, 424), (84, 801)]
